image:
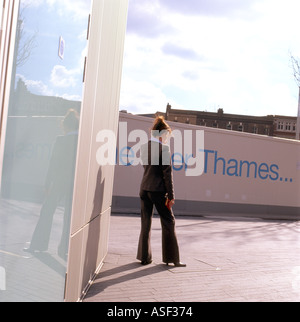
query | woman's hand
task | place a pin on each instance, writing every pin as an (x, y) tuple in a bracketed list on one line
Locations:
[(172, 203)]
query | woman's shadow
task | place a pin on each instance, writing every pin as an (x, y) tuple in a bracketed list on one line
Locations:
[(94, 238), (101, 282)]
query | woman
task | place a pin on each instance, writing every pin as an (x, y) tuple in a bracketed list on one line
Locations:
[(157, 190), (58, 187)]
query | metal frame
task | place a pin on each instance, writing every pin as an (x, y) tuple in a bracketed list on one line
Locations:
[(9, 21)]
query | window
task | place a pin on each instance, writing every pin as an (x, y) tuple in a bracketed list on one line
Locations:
[(280, 126), (229, 126), (241, 127), (54, 148), (288, 126), (202, 123), (267, 130)]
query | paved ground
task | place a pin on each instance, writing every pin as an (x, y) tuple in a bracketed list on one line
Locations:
[(230, 260), (29, 277)]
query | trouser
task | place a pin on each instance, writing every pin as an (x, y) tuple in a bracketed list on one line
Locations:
[(41, 236), (170, 250)]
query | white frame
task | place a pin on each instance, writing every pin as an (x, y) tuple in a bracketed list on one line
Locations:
[(7, 43)]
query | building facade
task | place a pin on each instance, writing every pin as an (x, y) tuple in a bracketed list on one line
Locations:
[(278, 126), (285, 126)]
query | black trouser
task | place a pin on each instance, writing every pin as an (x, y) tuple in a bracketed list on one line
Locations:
[(170, 250), (41, 236)]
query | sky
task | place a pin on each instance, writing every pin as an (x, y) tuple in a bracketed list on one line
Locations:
[(194, 54), (210, 54), (56, 77)]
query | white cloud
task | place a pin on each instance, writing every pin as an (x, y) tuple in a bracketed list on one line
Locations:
[(63, 78), (239, 64), (40, 88), (71, 97), (180, 51), (222, 8), (32, 3), (145, 18), (79, 9), (141, 97)]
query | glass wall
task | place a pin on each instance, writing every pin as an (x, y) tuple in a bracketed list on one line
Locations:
[(40, 148)]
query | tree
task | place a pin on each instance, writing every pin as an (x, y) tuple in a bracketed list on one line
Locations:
[(296, 72)]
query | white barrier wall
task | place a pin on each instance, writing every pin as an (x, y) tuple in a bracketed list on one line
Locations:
[(242, 174)]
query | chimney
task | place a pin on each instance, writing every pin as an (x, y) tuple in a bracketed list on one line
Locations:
[(168, 110)]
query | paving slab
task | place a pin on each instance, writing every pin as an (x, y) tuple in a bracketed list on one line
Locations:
[(229, 259)]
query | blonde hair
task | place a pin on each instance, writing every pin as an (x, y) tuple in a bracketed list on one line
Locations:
[(71, 120), (160, 125)]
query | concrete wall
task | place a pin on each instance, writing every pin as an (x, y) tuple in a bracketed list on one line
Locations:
[(93, 183), (244, 174)]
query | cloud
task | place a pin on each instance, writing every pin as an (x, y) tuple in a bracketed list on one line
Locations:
[(191, 75), (68, 97), (32, 3), (40, 88), (35, 87), (181, 52), (77, 8), (142, 97), (61, 77), (146, 20), (228, 8), (207, 53)]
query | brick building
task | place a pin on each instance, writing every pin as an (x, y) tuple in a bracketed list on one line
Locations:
[(263, 125), (285, 126), (270, 125)]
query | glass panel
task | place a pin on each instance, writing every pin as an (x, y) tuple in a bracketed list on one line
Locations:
[(40, 148)]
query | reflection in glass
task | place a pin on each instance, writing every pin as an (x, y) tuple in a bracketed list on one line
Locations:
[(58, 187), (40, 148)]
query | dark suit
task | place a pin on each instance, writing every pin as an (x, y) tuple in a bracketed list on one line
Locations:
[(157, 182), (59, 185)]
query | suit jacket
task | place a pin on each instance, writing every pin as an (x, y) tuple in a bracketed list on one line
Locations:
[(158, 174), (62, 163)]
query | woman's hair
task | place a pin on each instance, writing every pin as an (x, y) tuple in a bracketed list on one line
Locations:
[(71, 120), (160, 125)]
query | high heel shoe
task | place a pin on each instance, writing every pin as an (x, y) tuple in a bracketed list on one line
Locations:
[(146, 262), (179, 264)]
